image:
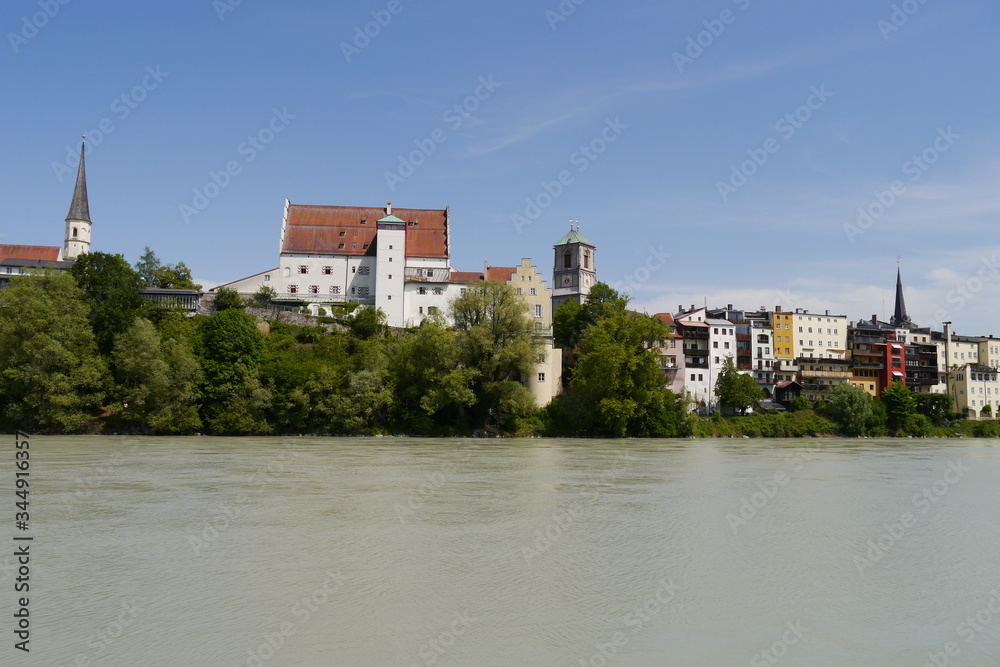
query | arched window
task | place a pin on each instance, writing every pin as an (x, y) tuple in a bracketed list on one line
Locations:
[(74, 232), (567, 259)]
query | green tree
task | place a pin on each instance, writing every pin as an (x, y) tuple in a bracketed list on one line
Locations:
[(167, 276), (227, 298), (899, 406), (112, 287), (262, 297), (496, 345), (618, 387), (851, 408), (147, 265), (938, 407), (433, 391), (51, 379), (737, 390), (156, 380), (175, 276), (571, 318), (799, 403), (369, 322), (234, 397)]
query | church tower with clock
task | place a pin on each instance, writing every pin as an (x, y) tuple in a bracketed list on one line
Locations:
[(574, 271)]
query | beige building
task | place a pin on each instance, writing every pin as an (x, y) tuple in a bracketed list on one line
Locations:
[(976, 391), (545, 380)]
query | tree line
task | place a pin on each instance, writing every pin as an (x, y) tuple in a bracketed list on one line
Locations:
[(83, 352)]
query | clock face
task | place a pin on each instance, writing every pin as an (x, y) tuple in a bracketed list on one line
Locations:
[(567, 280)]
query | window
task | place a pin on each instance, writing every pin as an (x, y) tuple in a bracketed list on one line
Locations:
[(390, 276), (354, 269), (800, 329), (365, 246), (354, 290), (586, 259), (343, 232), (364, 270), (438, 291), (327, 270), (293, 289), (520, 291), (432, 309), (421, 310), (390, 246), (699, 377), (389, 298), (390, 259), (314, 289), (716, 331), (303, 268), (726, 345), (531, 291), (567, 260), (363, 291), (267, 277), (538, 310), (340, 246), (541, 377), (421, 290), (692, 377), (538, 325), (335, 289), (74, 232)]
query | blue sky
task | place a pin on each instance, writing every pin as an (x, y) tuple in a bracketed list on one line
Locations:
[(715, 152)]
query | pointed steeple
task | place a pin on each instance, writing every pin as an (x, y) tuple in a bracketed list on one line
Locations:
[(78, 220), (899, 316), (79, 209)]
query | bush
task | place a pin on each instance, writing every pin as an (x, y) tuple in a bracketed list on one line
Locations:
[(986, 429), (918, 425)]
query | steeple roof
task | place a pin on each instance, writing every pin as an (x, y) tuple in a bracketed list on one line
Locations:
[(79, 209), (899, 316), (574, 236)]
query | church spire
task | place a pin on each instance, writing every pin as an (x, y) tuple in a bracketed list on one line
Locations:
[(79, 209), (78, 220), (899, 316)]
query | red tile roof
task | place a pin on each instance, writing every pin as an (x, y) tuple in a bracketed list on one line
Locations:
[(666, 318), (501, 274), (465, 277), (322, 230), (49, 253)]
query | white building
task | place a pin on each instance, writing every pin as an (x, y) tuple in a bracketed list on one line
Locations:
[(397, 260)]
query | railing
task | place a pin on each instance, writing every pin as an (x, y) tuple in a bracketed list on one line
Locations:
[(826, 374)]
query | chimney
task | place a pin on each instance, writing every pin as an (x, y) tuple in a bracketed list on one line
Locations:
[(388, 208), (692, 307), (828, 312), (680, 308), (729, 306), (874, 318), (777, 309)]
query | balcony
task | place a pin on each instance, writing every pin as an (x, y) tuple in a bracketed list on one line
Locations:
[(696, 352), (865, 364), (696, 363), (826, 374)]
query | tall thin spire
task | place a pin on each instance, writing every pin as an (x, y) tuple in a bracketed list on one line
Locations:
[(79, 209), (899, 316)]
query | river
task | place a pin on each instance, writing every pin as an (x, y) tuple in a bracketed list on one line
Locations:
[(397, 551)]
